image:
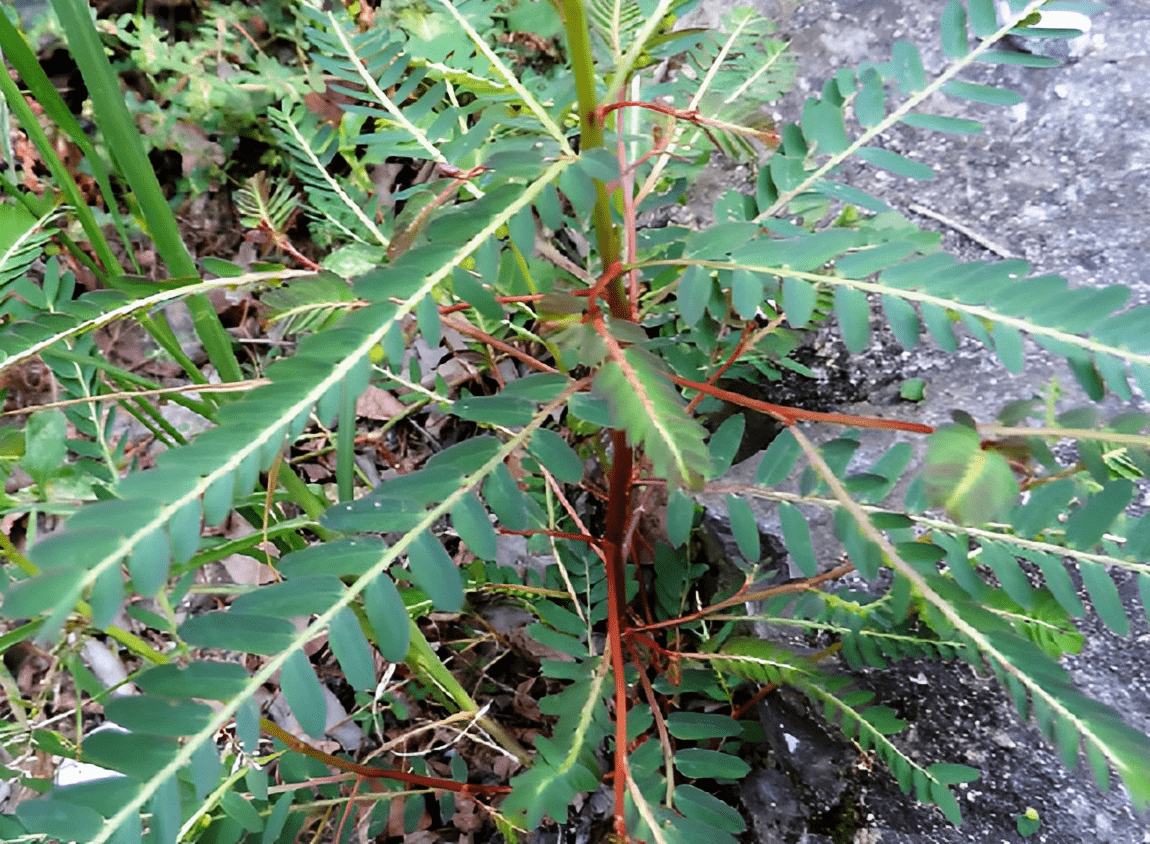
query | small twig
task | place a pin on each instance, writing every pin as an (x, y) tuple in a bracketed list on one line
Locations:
[(984, 242), (789, 415), (484, 337)]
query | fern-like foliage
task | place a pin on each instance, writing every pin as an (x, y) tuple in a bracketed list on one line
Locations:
[(22, 240), (958, 588)]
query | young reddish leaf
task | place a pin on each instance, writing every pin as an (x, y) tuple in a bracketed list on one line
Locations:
[(974, 485), (645, 405)]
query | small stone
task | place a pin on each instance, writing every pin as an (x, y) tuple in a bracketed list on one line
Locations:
[(1003, 740)]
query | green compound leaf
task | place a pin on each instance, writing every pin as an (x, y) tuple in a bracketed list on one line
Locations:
[(680, 517), (746, 292), (898, 164), (44, 444), (209, 680), (302, 595), (304, 694), (352, 650), (907, 66), (799, 299), (698, 805), (697, 763), (256, 634), (553, 454), (157, 716), (744, 527), (1105, 597), (469, 518), (797, 534), (982, 93), (853, 312), (505, 499), (387, 615), (975, 486), (983, 18), (59, 819), (725, 443), (870, 102), (1086, 525), (952, 30), (694, 293), (823, 126), (1010, 575), (778, 460), (701, 725), (434, 572)]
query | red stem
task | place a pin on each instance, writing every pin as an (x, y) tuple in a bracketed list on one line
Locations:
[(790, 415), (484, 337), (372, 772)]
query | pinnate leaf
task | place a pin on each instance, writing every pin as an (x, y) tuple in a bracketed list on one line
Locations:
[(645, 405), (387, 615), (701, 806), (257, 634), (797, 534), (697, 763), (305, 695), (435, 573), (553, 453), (701, 725), (352, 650), (469, 518)]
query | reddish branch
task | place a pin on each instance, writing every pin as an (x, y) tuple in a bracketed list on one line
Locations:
[(558, 534), (744, 595), (503, 300), (484, 337), (790, 415), (748, 330), (371, 772)]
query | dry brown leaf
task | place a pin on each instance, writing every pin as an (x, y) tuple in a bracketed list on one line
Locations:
[(378, 404)]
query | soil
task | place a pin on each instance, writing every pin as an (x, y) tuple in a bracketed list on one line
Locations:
[(1051, 180)]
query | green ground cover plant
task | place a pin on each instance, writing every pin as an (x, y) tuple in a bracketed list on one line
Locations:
[(595, 349)]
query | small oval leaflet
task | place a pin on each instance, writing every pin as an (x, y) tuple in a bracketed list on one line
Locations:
[(435, 573)]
